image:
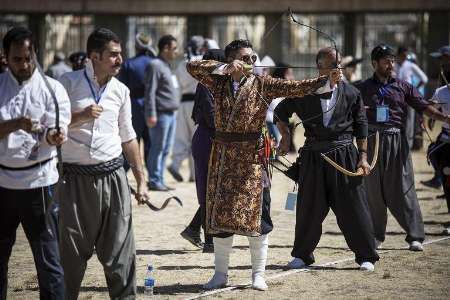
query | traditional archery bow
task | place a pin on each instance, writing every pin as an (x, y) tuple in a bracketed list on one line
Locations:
[(55, 103), (359, 172)]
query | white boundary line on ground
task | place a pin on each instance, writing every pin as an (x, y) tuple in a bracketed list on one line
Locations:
[(290, 272)]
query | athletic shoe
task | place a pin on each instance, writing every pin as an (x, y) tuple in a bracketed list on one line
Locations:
[(169, 188), (367, 266), (296, 263), (446, 231), (415, 246), (434, 183), (192, 237)]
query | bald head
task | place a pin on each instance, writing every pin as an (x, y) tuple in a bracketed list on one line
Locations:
[(326, 58)]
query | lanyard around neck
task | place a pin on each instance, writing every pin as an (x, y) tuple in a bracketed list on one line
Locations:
[(94, 95)]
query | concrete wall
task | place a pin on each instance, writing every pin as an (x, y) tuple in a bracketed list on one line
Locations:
[(139, 7)]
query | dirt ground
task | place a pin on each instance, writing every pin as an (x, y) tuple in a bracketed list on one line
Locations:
[(181, 269)]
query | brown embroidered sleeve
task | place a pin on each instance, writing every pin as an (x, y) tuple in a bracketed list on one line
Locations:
[(202, 71), (275, 87)]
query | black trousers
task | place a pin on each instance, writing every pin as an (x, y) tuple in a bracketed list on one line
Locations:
[(440, 157), (322, 187), (38, 217)]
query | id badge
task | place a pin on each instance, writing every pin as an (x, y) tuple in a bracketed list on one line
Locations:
[(291, 201), (382, 113)]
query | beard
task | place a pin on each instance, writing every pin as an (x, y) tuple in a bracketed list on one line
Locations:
[(22, 75)]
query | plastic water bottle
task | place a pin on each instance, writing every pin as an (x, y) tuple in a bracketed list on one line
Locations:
[(149, 281)]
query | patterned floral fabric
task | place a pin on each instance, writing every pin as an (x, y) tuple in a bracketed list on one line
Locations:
[(235, 180)]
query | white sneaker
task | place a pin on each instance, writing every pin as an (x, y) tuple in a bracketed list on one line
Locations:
[(258, 283), (378, 244), (296, 263), (415, 246), (219, 280), (446, 231), (367, 266)]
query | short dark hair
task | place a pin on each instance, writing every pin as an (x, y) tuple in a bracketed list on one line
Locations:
[(234, 46), (326, 52), (17, 35), (98, 39), (165, 40)]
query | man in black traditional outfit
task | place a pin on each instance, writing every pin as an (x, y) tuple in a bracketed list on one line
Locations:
[(331, 120)]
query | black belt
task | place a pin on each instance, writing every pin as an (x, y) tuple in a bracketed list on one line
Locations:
[(232, 137), (103, 168), (340, 137), (321, 145), (27, 167), (187, 97)]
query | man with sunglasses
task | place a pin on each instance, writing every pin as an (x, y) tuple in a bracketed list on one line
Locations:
[(391, 184), (238, 195)]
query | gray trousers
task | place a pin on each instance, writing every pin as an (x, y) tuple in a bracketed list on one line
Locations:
[(391, 185), (95, 213)]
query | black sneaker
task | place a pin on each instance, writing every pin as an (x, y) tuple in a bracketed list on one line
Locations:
[(175, 174), (434, 183), (208, 248), (193, 237)]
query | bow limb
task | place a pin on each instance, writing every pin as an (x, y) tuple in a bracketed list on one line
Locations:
[(55, 103), (341, 169), (358, 172)]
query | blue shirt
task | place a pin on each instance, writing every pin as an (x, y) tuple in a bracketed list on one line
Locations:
[(132, 75)]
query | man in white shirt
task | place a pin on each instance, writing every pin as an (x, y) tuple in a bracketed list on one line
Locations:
[(406, 70), (28, 161), (95, 197)]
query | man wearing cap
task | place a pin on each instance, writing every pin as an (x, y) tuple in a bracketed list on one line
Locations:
[(195, 49), (391, 184), (132, 74)]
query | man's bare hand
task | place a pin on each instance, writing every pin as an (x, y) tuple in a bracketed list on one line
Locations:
[(235, 66), (56, 138), (335, 77), (141, 195), (363, 164), (93, 111), (284, 146), (151, 122)]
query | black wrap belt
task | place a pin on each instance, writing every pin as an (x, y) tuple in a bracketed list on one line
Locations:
[(103, 168), (327, 143), (235, 137)]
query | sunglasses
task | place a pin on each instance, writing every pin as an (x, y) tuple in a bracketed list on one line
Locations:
[(250, 59)]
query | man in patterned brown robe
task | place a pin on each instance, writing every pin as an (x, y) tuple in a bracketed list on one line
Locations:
[(236, 178)]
